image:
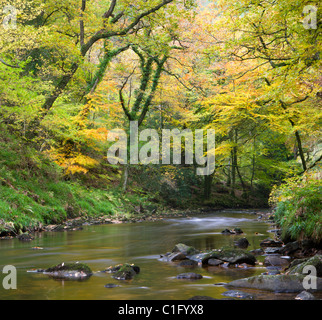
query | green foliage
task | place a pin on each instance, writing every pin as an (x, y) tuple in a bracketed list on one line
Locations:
[(33, 191), (299, 207)]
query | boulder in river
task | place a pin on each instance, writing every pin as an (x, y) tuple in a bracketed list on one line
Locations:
[(215, 262), (69, 271), (242, 243), (237, 294), (297, 266), (124, 271), (25, 237), (276, 261), (231, 255), (199, 257), (277, 283), (304, 295), (184, 249), (233, 231), (271, 243), (290, 248), (189, 276), (173, 256)]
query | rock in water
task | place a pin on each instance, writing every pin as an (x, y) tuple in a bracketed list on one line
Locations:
[(69, 271), (183, 248), (188, 264), (271, 243), (189, 275), (111, 285), (215, 262), (237, 294), (202, 298), (298, 265), (124, 271), (242, 243), (304, 295), (174, 256), (231, 255), (276, 261), (25, 237), (276, 283)]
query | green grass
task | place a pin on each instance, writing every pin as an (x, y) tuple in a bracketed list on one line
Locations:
[(33, 191), (299, 208)]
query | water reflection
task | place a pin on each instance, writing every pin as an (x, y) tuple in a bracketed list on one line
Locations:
[(103, 245)]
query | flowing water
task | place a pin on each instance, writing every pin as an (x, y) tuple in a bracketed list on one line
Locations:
[(101, 246)]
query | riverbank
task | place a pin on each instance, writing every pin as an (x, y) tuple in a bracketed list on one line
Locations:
[(141, 244), (77, 223), (36, 194)]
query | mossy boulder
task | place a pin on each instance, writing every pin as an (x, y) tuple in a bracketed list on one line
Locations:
[(70, 271), (184, 249), (277, 283), (230, 255), (298, 265), (124, 271), (173, 256)]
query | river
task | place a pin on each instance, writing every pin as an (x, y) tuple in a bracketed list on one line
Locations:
[(101, 246)]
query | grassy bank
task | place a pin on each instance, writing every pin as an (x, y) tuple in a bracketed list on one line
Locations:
[(298, 208), (34, 192)]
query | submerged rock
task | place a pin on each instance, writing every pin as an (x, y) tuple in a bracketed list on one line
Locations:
[(242, 243), (237, 294), (202, 298), (173, 256), (111, 285), (69, 271), (215, 262), (188, 263), (189, 275), (304, 295), (257, 252), (233, 231)]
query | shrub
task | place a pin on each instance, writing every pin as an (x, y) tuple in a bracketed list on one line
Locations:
[(299, 208)]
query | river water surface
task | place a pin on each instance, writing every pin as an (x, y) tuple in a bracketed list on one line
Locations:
[(101, 246)]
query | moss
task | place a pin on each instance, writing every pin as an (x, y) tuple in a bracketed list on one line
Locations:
[(125, 271), (315, 261), (80, 267)]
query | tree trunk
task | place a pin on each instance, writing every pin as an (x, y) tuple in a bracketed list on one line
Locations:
[(300, 149), (207, 186), (233, 162)]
